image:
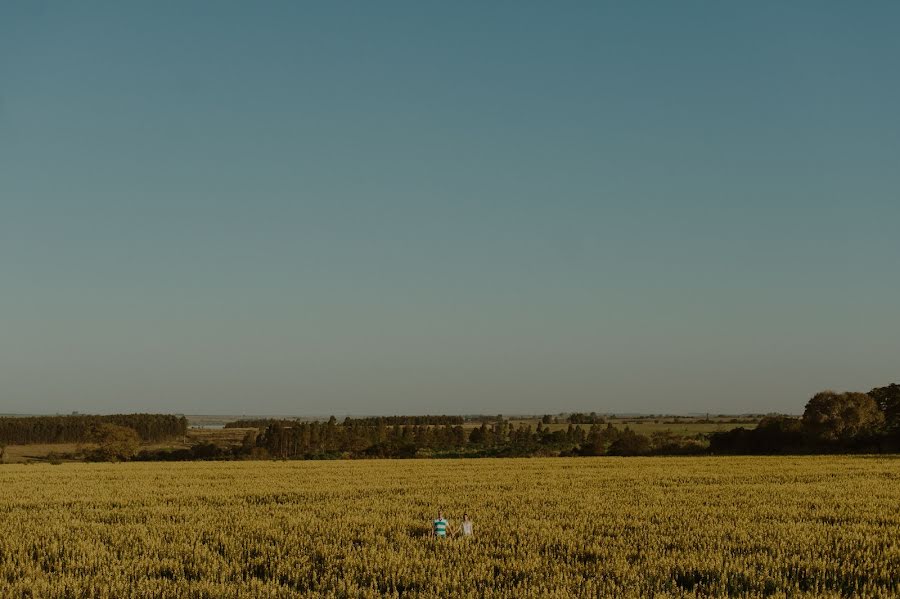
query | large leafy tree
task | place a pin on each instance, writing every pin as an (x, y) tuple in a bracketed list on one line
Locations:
[(115, 442), (836, 417), (888, 400)]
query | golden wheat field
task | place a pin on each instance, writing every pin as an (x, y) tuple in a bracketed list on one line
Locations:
[(588, 527)]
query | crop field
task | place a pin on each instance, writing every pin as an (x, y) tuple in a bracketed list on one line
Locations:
[(558, 527)]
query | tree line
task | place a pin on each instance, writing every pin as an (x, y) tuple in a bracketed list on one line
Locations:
[(316, 440), (83, 428)]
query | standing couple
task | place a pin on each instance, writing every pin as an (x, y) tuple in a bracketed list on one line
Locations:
[(440, 527)]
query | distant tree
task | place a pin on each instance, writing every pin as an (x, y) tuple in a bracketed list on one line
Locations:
[(381, 431), (580, 418), (547, 419), (460, 436), (207, 451), (478, 435), (775, 434), (839, 417), (249, 441), (599, 439), (630, 443), (115, 442), (661, 440), (888, 400)]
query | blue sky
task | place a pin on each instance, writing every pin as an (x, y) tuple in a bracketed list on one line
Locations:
[(447, 207)]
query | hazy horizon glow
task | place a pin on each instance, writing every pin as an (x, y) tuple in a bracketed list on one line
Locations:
[(524, 208)]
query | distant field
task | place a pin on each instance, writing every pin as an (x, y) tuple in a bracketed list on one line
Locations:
[(228, 436), (558, 527), (16, 454)]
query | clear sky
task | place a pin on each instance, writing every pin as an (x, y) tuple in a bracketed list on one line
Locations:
[(423, 207)]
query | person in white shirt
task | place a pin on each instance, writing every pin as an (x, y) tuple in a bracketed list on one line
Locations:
[(466, 526)]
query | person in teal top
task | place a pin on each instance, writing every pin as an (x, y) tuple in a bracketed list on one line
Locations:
[(440, 526)]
